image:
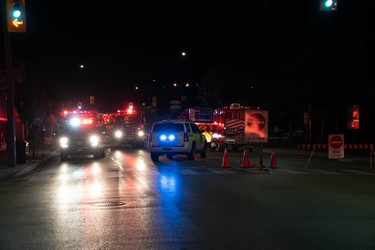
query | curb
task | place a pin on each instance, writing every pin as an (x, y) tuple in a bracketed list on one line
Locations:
[(33, 165)]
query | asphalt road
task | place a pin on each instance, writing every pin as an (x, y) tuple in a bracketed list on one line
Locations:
[(126, 201)]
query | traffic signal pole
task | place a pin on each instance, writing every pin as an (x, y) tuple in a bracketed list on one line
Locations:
[(11, 137)]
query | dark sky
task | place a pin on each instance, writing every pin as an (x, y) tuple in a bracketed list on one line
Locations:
[(124, 45)]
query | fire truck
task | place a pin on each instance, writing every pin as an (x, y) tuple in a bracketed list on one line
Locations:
[(203, 118), (128, 127), (224, 127), (81, 133)]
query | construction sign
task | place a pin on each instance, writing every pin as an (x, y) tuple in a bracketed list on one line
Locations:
[(256, 126), (335, 146)]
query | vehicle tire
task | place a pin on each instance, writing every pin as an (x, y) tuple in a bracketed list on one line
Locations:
[(221, 147), (63, 157), (204, 152), (154, 157), (102, 153), (97, 154), (191, 155)]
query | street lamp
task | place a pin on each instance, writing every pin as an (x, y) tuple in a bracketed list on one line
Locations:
[(328, 5)]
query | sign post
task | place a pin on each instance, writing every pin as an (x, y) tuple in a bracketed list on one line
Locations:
[(336, 146), (256, 128), (11, 133)]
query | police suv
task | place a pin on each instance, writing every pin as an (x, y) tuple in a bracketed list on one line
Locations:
[(172, 137)]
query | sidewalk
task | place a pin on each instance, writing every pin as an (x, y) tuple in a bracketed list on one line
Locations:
[(42, 155)]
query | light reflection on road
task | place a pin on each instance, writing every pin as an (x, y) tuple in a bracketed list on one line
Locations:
[(126, 193), (167, 184)]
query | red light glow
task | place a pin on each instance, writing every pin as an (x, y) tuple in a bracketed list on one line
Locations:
[(87, 121)]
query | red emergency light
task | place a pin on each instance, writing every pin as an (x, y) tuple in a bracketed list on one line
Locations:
[(87, 121), (65, 113)]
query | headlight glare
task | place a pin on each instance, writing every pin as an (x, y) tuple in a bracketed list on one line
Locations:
[(64, 142), (163, 137), (94, 140), (118, 134), (141, 133), (171, 137)]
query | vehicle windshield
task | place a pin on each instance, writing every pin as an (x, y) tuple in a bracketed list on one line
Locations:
[(168, 127), (80, 130), (126, 119)]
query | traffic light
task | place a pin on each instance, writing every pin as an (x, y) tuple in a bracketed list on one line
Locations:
[(16, 15), (328, 5), (353, 116), (92, 99)]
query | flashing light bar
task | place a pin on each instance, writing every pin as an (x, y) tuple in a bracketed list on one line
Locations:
[(77, 112), (129, 111), (69, 113)]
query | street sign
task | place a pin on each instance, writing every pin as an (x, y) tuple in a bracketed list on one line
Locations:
[(335, 146), (256, 126)]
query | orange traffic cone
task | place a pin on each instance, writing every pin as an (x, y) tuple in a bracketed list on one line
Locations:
[(245, 163), (273, 163), (225, 160)]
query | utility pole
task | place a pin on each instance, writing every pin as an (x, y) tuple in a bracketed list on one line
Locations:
[(11, 137)]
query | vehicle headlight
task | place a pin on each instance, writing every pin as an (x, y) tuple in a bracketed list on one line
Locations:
[(64, 142), (141, 133), (118, 134), (94, 140), (75, 121), (217, 136)]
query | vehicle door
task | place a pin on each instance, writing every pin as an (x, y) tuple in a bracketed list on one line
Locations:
[(199, 138)]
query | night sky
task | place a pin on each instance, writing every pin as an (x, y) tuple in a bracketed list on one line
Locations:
[(122, 46)]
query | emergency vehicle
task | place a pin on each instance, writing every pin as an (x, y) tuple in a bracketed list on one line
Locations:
[(174, 137), (81, 133), (224, 127), (203, 118), (128, 127)]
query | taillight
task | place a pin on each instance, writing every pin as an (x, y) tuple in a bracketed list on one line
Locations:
[(186, 137)]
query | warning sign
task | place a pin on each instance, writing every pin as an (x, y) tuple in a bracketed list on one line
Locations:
[(256, 126), (335, 146)]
